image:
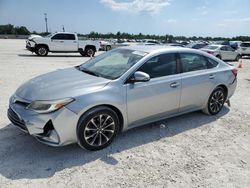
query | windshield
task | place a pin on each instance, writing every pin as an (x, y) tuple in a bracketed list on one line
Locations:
[(211, 47), (112, 64)]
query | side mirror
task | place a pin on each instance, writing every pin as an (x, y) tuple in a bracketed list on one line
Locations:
[(139, 77)]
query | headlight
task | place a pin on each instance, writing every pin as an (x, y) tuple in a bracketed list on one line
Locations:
[(48, 106)]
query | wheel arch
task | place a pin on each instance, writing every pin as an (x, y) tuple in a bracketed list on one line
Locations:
[(112, 107), (46, 45), (90, 46), (224, 87)]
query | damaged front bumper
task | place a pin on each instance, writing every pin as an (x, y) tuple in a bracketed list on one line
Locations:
[(55, 129)]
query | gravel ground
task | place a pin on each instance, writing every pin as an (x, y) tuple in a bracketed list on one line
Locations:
[(193, 150)]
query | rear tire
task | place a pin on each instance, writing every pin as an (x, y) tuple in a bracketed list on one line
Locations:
[(237, 58), (41, 50), (90, 52), (108, 47), (97, 128), (83, 53), (218, 56), (215, 102)]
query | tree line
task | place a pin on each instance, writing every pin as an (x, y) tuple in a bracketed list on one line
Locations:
[(22, 30)]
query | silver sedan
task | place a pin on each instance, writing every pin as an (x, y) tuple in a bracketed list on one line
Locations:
[(127, 87), (222, 52)]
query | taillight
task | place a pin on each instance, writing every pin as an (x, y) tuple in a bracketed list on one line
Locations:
[(235, 72)]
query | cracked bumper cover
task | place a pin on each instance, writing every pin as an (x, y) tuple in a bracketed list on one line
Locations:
[(64, 123)]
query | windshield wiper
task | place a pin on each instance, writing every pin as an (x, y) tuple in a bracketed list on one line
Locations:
[(90, 72)]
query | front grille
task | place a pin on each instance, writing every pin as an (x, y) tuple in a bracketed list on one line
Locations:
[(13, 117)]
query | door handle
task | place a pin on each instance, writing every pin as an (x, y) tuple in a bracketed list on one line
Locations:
[(211, 76), (174, 84)]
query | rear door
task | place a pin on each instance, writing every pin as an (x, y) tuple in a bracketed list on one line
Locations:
[(158, 97), (197, 81)]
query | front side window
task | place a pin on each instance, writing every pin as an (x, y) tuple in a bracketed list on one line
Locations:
[(162, 65), (192, 62), (58, 37), (112, 64)]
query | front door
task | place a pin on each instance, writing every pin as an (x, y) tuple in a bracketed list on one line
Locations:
[(157, 98)]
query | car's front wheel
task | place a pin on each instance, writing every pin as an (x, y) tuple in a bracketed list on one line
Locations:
[(215, 102), (97, 128), (41, 50)]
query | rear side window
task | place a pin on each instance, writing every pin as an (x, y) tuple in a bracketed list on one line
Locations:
[(63, 37), (161, 65), (58, 37), (69, 37), (245, 44), (193, 62), (211, 63)]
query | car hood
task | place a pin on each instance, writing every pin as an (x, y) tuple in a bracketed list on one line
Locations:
[(60, 84)]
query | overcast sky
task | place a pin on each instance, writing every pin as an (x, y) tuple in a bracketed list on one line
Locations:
[(177, 17)]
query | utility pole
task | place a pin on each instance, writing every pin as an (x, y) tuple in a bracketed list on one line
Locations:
[(46, 22)]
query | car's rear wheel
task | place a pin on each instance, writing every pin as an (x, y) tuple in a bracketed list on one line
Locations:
[(90, 52), (218, 56), (237, 58), (108, 47), (41, 50), (215, 102), (97, 128)]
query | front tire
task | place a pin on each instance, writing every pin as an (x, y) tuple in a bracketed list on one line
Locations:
[(41, 50), (215, 102), (97, 128)]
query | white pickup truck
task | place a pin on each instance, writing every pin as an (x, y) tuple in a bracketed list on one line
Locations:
[(63, 42)]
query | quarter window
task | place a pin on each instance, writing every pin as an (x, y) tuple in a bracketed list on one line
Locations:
[(193, 62), (162, 65)]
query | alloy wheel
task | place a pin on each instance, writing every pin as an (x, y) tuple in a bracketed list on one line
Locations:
[(99, 130), (217, 101), (42, 51)]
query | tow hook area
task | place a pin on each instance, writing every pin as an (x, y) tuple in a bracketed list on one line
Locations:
[(49, 135), (228, 103)]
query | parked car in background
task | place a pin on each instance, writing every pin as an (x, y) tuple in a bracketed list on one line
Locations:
[(175, 44), (151, 42), (222, 52), (196, 45), (105, 45), (62, 42), (234, 44), (118, 90), (244, 49)]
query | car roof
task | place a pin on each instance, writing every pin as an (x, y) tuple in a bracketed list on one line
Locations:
[(218, 45), (161, 48)]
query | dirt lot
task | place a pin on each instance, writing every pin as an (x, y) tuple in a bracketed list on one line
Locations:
[(192, 150)]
